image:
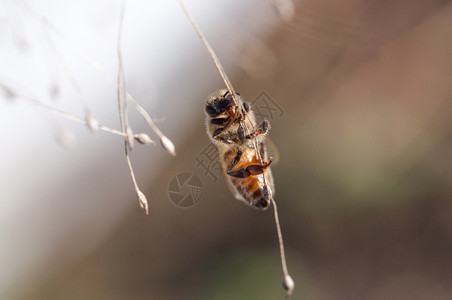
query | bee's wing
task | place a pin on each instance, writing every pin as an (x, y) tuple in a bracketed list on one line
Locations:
[(233, 189), (272, 150)]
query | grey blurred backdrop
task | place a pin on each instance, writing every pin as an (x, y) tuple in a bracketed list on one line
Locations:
[(363, 91)]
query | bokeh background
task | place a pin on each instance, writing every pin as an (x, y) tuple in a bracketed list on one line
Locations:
[(363, 182)]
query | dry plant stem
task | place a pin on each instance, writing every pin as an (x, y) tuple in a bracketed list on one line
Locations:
[(64, 114), (99, 68), (122, 111), (120, 79), (122, 92), (211, 52), (288, 287)]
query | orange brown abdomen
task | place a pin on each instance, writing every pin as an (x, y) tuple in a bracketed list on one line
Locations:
[(254, 189)]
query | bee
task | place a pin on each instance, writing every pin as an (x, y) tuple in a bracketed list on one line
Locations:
[(232, 127)]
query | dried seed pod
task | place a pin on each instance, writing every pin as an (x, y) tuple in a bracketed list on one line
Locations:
[(168, 145), (143, 201), (143, 138), (288, 284)]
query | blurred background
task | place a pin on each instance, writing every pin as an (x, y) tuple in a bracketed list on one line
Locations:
[(358, 94)]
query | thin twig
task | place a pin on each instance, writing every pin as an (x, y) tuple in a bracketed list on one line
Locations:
[(211, 52), (122, 108), (122, 112), (288, 282), (62, 113)]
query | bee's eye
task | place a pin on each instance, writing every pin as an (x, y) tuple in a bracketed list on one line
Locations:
[(226, 104), (212, 108)]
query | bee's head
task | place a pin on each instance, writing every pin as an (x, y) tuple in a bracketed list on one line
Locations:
[(219, 102)]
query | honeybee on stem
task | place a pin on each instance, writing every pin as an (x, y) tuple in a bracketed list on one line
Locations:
[(231, 126), (242, 151)]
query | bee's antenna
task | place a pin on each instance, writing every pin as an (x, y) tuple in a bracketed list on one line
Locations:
[(288, 282)]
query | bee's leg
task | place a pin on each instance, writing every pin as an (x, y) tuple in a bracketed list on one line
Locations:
[(227, 92), (241, 132), (261, 130), (229, 120), (217, 132), (262, 150), (241, 129), (250, 170), (218, 121), (216, 135), (224, 140), (240, 173), (246, 107), (234, 161), (259, 169)]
